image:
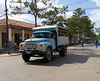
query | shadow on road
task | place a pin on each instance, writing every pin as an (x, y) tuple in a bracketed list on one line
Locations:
[(86, 52), (80, 55), (58, 61)]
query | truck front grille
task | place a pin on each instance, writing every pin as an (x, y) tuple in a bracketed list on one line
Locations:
[(30, 46)]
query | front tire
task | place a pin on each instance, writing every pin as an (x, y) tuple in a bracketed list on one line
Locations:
[(25, 57), (63, 51), (48, 54)]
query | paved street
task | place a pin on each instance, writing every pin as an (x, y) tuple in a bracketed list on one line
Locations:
[(81, 64)]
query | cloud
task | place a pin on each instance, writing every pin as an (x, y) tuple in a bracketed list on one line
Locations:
[(95, 17), (97, 2), (95, 14), (69, 14), (27, 17), (2, 7), (54, 2)]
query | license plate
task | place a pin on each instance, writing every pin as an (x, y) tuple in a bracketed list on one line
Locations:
[(28, 52), (29, 46)]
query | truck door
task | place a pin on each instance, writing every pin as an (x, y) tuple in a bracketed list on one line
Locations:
[(53, 40)]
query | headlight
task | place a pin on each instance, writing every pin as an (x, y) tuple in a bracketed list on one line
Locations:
[(21, 46), (41, 47)]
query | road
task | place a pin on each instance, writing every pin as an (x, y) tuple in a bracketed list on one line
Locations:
[(81, 64)]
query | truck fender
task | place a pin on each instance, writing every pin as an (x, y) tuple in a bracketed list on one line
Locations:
[(47, 45)]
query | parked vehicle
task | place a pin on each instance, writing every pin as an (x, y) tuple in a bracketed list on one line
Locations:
[(44, 41), (99, 42)]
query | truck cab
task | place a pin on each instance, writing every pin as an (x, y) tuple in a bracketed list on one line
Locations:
[(44, 42)]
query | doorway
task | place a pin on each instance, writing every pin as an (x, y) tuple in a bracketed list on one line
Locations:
[(17, 38), (4, 39)]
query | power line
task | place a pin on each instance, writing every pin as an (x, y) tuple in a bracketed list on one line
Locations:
[(92, 8), (78, 2), (2, 15), (87, 8)]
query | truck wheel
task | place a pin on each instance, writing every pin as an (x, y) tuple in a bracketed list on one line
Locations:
[(63, 51), (25, 57), (48, 54)]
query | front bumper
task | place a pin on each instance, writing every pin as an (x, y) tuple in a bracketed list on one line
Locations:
[(34, 52)]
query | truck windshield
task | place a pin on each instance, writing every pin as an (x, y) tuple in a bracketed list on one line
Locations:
[(41, 35)]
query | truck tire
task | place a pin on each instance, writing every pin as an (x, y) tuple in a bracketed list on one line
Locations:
[(48, 54), (63, 51), (25, 57)]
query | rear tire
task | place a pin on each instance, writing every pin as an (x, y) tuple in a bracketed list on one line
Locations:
[(48, 54), (63, 51), (25, 57)]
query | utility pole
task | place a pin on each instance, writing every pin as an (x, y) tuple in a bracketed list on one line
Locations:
[(6, 10), (36, 14)]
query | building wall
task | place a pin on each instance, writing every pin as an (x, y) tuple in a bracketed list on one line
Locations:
[(0, 39), (2, 30)]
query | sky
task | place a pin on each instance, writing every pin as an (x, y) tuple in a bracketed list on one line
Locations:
[(92, 8)]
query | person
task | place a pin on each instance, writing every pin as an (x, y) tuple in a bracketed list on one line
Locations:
[(15, 46), (82, 44), (96, 43)]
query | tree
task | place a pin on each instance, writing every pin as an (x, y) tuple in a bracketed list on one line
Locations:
[(93, 35), (54, 16), (79, 12), (87, 26), (79, 24), (98, 37), (97, 30), (29, 7)]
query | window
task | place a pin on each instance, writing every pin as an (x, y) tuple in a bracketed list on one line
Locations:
[(62, 32), (41, 35)]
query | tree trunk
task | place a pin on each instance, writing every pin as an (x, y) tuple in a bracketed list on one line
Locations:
[(36, 21), (7, 26), (36, 15)]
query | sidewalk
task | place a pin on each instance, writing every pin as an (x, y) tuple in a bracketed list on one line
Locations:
[(17, 53), (12, 53)]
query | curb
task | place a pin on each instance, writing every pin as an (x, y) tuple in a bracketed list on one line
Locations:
[(12, 54)]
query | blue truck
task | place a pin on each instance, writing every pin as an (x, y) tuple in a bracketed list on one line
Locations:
[(44, 41)]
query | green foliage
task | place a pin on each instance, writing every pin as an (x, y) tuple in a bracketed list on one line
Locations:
[(28, 7), (97, 30), (79, 24), (54, 17), (79, 12), (93, 35), (98, 37)]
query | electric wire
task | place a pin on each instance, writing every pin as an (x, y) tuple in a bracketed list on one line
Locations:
[(78, 2), (86, 8), (2, 15)]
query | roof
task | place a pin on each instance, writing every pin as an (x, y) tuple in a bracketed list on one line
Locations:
[(43, 27), (16, 23), (51, 26), (41, 32)]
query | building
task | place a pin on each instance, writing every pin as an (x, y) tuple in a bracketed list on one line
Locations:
[(18, 31), (76, 39)]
